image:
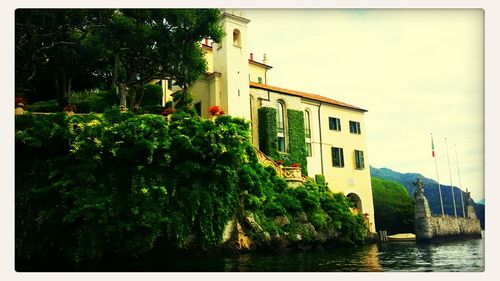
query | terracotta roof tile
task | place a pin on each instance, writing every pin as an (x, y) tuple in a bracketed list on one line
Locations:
[(304, 95)]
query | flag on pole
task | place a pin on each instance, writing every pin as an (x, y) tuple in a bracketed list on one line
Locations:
[(432, 144)]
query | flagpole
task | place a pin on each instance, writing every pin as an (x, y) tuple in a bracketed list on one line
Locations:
[(451, 181), (437, 174), (460, 183)]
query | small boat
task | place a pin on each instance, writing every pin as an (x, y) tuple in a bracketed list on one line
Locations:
[(402, 237)]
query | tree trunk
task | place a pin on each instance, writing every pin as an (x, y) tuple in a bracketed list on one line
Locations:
[(138, 104), (122, 93), (60, 87), (114, 78)]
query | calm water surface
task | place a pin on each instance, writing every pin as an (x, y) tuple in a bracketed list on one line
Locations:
[(465, 255)]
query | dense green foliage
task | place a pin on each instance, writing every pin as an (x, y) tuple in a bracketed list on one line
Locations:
[(52, 51), (320, 179), (88, 186), (268, 131), (119, 184), (97, 102), (152, 95), (44, 106), (62, 50), (394, 207), (297, 152)]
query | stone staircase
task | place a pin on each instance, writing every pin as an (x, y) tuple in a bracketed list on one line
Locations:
[(293, 175)]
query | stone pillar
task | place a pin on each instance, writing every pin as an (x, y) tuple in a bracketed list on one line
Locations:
[(423, 230), (470, 211), (422, 209)]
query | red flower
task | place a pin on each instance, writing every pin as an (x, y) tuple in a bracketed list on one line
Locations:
[(69, 108), (20, 101), (279, 162), (295, 165), (215, 111), (167, 111)]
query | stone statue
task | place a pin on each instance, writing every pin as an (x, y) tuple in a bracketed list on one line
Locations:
[(420, 187)]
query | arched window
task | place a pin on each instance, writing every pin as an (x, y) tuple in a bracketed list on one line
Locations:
[(307, 123), (280, 120), (307, 127), (236, 38)]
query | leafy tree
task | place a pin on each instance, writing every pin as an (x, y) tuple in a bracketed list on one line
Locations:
[(126, 48), (157, 44), (394, 207), (50, 46)]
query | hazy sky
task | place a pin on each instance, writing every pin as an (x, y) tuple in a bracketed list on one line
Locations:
[(416, 71)]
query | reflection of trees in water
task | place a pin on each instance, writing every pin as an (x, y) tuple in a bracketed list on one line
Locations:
[(401, 256)]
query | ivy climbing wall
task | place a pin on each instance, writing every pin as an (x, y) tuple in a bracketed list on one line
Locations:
[(296, 139), (268, 131)]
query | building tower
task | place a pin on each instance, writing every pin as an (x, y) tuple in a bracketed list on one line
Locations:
[(231, 61)]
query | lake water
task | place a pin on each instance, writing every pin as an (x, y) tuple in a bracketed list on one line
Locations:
[(464, 256)]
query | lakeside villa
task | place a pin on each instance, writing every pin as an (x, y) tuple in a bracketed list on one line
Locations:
[(334, 132)]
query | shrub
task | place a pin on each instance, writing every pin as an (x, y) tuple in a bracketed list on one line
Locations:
[(98, 101), (274, 209), (320, 180), (289, 202), (44, 106), (152, 95)]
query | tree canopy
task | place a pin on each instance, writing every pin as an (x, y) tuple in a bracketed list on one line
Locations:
[(394, 207), (124, 48)]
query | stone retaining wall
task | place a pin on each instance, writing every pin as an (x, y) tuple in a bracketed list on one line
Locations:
[(429, 227), (446, 227)]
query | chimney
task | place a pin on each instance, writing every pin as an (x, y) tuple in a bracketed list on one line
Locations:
[(251, 56), (265, 61), (206, 41)]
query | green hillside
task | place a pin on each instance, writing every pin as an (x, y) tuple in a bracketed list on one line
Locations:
[(394, 207)]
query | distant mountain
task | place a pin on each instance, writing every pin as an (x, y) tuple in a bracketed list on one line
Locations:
[(431, 192)]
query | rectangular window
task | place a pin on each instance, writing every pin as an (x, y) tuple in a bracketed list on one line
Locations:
[(360, 159), (197, 108), (259, 80), (355, 127), (281, 143), (334, 123), (309, 149), (338, 157)]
